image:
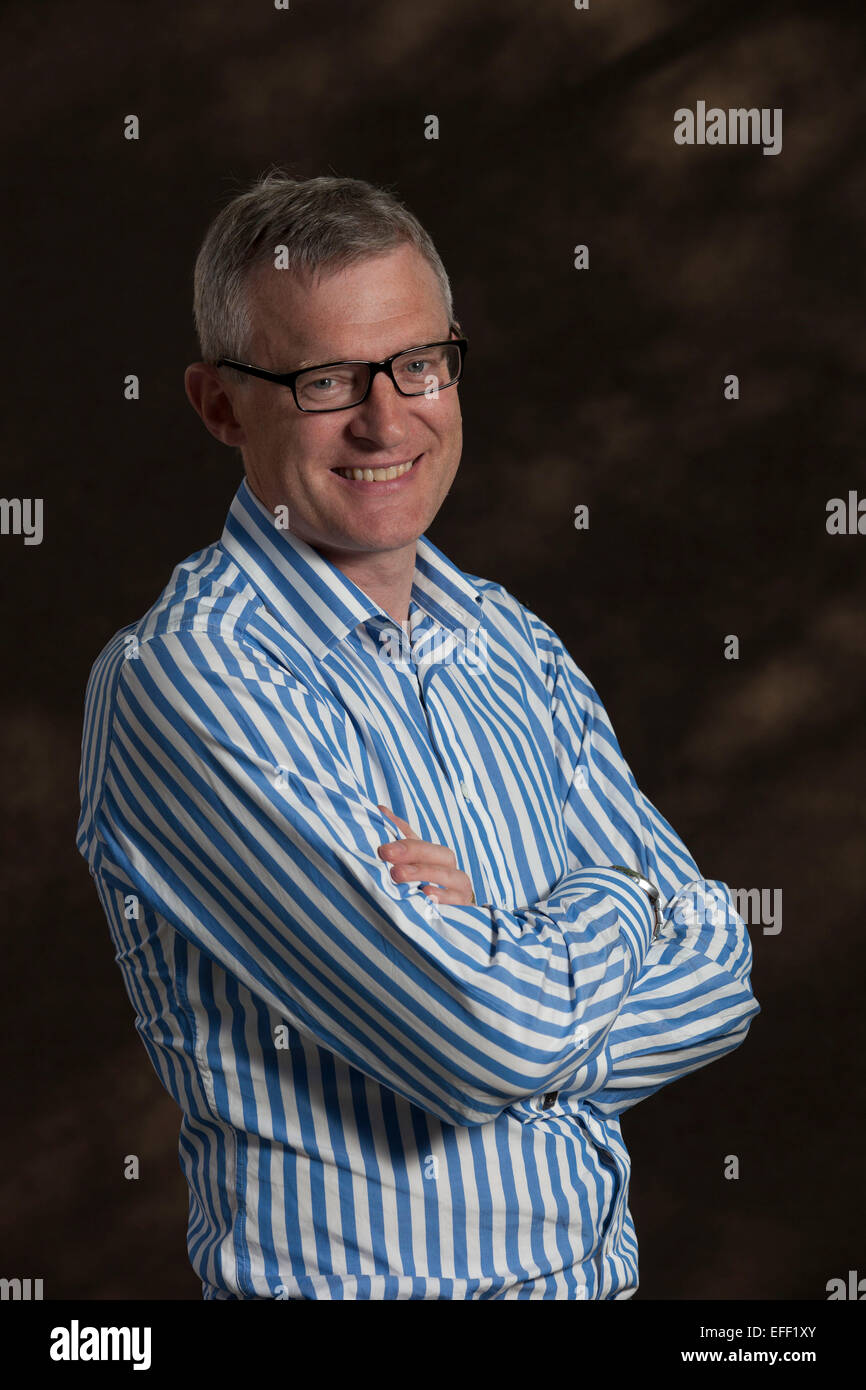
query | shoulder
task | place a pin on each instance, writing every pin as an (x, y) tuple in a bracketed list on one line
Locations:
[(529, 635), (207, 603)]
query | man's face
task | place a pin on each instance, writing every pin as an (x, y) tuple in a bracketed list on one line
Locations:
[(368, 311)]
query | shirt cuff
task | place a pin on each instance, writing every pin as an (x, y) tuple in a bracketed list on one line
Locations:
[(635, 911)]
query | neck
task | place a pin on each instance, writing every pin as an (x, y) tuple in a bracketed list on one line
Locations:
[(386, 577)]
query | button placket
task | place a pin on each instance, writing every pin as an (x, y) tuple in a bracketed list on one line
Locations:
[(443, 738), (462, 780)]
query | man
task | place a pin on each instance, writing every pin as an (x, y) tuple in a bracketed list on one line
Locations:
[(401, 1059)]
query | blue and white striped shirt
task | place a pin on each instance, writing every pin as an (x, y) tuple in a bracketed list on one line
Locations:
[(382, 1098)]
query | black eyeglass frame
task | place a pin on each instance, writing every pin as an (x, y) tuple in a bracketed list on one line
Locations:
[(289, 378)]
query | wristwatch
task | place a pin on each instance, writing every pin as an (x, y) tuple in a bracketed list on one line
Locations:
[(651, 891)]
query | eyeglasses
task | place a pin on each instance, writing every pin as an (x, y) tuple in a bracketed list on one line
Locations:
[(341, 385)]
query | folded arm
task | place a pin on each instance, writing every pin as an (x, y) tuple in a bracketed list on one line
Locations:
[(692, 1000), (686, 1007), (228, 803)]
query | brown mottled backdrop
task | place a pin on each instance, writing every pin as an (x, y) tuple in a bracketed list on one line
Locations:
[(605, 386)]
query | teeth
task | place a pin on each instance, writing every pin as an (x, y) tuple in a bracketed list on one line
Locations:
[(375, 475)]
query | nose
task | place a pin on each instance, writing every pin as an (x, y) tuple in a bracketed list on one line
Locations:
[(382, 417)]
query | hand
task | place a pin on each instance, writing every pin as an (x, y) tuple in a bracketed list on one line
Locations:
[(418, 857)]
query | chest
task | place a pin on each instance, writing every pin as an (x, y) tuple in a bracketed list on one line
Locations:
[(459, 743)]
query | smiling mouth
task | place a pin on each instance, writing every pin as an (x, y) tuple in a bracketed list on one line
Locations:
[(376, 475)]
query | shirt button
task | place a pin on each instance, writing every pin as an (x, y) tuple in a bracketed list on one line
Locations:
[(466, 789), (549, 1099)]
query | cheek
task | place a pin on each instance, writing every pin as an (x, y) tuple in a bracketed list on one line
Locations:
[(454, 433), (445, 419), (300, 445)]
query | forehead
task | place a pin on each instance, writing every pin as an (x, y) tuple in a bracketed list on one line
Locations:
[(368, 309)]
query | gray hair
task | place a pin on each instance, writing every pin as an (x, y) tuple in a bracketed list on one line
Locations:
[(325, 221)]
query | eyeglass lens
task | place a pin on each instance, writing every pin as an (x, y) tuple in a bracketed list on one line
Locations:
[(346, 382)]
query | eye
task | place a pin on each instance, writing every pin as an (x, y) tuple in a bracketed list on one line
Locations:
[(327, 382)]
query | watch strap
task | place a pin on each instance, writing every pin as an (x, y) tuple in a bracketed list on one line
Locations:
[(651, 891)]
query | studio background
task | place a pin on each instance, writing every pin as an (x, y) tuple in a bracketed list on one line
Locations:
[(602, 387)]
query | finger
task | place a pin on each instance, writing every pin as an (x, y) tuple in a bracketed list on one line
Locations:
[(420, 855), (464, 897), (402, 824), (455, 887), (444, 876)]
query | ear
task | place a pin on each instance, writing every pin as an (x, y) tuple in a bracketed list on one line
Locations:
[(210, 399)]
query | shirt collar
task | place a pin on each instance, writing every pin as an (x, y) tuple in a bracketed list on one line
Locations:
[(319, 602)]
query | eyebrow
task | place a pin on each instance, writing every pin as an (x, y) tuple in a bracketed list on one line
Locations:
[(327, 361)]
